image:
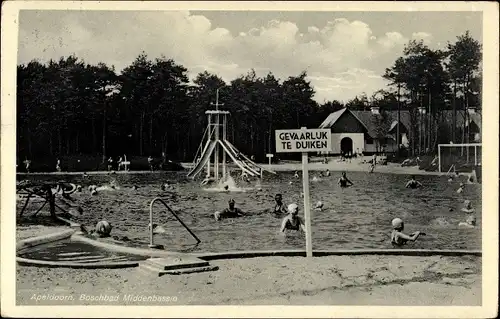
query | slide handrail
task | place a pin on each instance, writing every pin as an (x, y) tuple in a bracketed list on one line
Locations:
[(247, 159), (238, 162), (236, 154), (151, 236)]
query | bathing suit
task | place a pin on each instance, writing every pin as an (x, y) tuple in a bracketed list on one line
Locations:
[(227, 213), (413, 184), (291, 225), (396, 240), (343, 182), (279, 209)]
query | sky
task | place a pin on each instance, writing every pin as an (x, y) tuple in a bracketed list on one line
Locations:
[(343, 53)]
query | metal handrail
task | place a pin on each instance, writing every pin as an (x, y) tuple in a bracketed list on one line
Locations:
[(151, 236)]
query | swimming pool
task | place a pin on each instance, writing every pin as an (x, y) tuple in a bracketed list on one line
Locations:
[(353, 218)]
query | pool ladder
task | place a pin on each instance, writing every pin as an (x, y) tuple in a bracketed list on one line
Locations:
[(151, 235)]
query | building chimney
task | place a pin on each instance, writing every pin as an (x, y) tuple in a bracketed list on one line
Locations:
[(375, 110), (471, 110)]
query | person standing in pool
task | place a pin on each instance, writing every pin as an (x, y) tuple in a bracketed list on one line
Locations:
[(398, 238), (413, 183), (344, 181), (150, 163), (279, 207), (230, 212), (292, 221)]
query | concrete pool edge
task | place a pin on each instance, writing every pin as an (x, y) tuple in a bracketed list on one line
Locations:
[(59, 264), (148, 252), (44, 239), (322, 253)]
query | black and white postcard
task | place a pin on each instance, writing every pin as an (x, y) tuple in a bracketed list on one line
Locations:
[(198, 158)]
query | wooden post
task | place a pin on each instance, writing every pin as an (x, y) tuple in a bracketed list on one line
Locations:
[(224, 133), (439, 158), (216, 160), (475, 155), (52, 201), (307, 213), (209, 139)]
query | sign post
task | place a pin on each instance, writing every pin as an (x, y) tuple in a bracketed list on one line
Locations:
[(304, 141), (269, 156)]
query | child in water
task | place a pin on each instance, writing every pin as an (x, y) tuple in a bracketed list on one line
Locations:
[(230, 212), (344, 181), (398, 238), (469, 223), (461, 188), (413, 183), (279, 207), (468, 207)]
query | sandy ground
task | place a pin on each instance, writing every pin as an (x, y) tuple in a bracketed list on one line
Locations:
[(333, 280), (333, 165)]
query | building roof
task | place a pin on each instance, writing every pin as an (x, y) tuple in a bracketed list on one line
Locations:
[(364, 117), (332, 118)]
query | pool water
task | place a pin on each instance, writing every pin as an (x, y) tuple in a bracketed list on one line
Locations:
[(76, 252), (352, 218)]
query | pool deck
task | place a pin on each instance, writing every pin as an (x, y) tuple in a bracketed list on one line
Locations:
[(276, 280), (333, 165)]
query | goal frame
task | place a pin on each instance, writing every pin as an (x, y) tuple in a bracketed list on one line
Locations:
[(475, 145)]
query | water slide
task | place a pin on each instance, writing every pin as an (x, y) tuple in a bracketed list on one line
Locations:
[(202, 163), (247, 160), (241, 164)]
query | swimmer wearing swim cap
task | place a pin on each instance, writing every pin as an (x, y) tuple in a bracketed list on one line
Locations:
[(469, 223), (230, 212), (292, 221), (468, 207), (398, 238)]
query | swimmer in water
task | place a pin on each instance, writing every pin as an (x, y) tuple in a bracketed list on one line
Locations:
[(344, 181), (244, 177), (413, 183), (230, 212), (279, 207), (327, 173), (65, 189), (468, 207), (292, 221), (469, 223), (296, 175), (319, 206), (471, 179), (398, 238), (461, 188)]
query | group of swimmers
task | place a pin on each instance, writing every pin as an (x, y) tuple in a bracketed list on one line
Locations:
[(291, 220)]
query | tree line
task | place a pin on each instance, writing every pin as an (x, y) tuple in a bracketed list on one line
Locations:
[(70, 107)]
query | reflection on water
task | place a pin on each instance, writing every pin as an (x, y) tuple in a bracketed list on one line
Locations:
[(354, 217)]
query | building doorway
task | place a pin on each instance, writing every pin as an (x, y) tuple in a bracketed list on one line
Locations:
[(346, 145)]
